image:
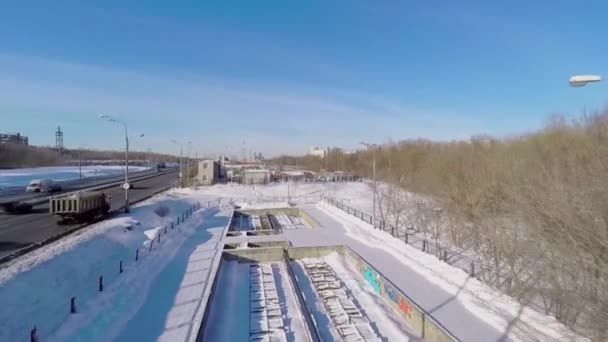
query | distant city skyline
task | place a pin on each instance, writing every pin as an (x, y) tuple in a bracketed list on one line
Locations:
[(287, 76)]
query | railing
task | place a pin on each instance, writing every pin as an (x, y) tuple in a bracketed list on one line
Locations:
[(446, 254)]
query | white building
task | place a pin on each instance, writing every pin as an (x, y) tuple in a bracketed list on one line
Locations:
[(317, 151)]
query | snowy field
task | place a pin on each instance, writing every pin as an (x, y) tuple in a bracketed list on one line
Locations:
[(470, 308), (22, 177)]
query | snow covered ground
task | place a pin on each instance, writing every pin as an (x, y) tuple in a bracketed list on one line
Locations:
[(503, 314), (157, 297), (36, 289), (22, 177)]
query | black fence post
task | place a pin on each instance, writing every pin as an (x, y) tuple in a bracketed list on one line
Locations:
[(100, 283), (158, 237), (34, 334), (178, 220), (472, 273), (445, 255), (424, 245), (171, 224), (151, 243), (73, 305), (137, 254), (165, 229), (120, 267), (406, 238)]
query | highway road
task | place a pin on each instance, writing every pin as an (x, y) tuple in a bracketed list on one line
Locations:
[(18, 231), (19, 194)]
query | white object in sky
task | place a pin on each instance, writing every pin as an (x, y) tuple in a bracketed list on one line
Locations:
[(581, 80)]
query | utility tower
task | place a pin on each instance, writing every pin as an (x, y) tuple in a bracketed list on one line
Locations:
[(59, 140)]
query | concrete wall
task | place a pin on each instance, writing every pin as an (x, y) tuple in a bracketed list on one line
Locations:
[(295, 253), (416, 317), (266, 254), (284, 211)]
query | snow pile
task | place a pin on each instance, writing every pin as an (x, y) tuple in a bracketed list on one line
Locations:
[(36, 288), (498, 310)]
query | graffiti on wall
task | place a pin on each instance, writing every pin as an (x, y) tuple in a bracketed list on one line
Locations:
[(390, 292), (372, 278), (379, 286), (404, 306)]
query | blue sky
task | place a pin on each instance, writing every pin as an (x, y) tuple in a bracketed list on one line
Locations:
[(286, 75)]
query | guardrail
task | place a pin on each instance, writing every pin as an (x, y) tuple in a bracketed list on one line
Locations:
[(17, 193), (102, 186)]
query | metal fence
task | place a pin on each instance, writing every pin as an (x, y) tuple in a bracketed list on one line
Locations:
[(456, 258)]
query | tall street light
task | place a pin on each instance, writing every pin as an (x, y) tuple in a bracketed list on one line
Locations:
[(188, 166), (181, 154), (125, 186), (373, 147)]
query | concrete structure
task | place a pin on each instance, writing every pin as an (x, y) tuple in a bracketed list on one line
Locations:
[(317, 152), (210, 172), (13, 138), (255, 176)]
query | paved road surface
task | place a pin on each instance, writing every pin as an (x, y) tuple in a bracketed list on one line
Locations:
[(17, 231)]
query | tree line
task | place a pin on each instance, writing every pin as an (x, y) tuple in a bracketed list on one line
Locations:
[(21, 156)]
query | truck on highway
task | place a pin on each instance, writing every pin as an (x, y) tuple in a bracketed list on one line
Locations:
[(84, 206)]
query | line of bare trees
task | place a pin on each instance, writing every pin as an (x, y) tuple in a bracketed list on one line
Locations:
[(533, 207), (18, 156)]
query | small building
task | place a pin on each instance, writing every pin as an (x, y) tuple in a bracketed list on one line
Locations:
[(209, 172), (255, 176)]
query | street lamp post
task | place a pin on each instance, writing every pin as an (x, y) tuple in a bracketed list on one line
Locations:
[(188, 164), (373, 147), (126, 186), (181, 153)]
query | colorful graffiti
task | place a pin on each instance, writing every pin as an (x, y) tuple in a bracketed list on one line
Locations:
[(372, 278), (390, 292), (404, 306)]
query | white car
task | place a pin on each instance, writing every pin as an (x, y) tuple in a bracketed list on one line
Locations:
[(43, 185)]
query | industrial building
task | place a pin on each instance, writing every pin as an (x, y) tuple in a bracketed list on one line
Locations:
[(13, 138)]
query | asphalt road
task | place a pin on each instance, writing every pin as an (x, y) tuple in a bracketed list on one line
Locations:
[(17, 231)]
